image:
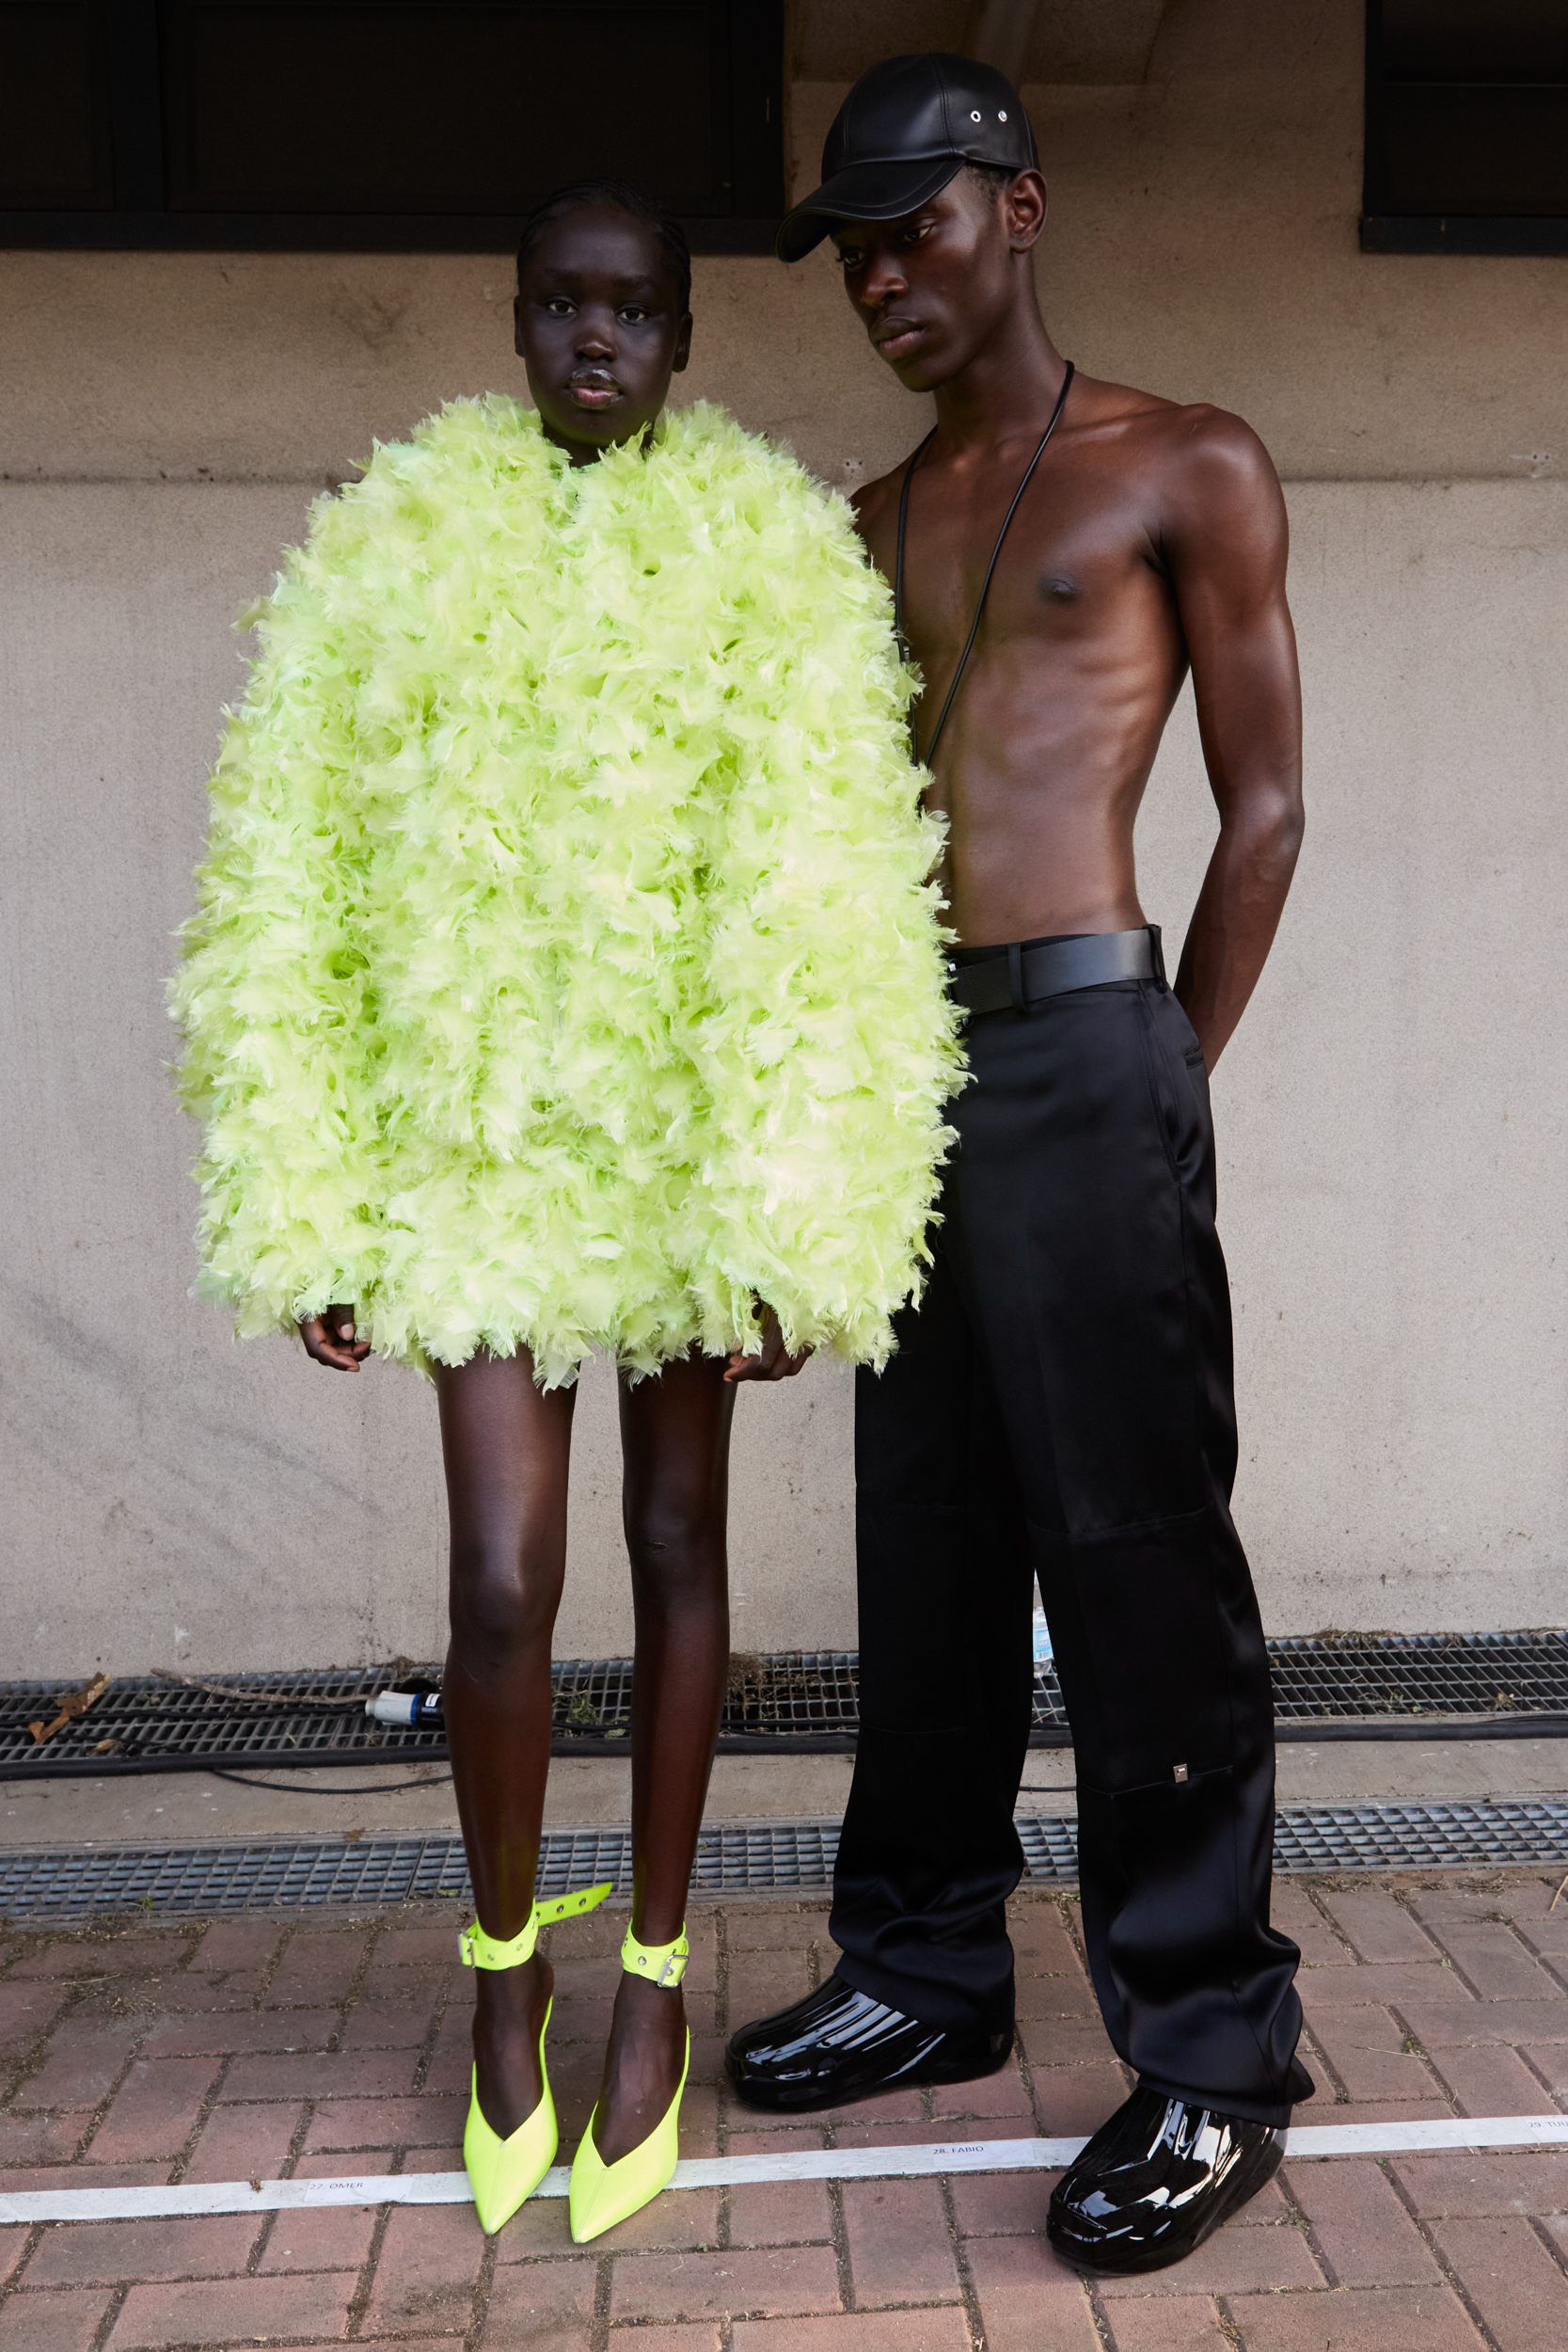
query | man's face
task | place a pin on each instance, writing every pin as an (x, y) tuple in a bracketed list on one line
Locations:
[(932, 286), (599, 327)]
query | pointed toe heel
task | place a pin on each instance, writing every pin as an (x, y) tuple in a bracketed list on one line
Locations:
[(604, 2194), (504, 2173)]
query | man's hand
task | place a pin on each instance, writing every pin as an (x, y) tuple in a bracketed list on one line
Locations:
[(329, 1338), (775, 1362)]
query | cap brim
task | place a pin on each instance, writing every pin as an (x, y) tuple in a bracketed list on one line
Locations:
[(880, 191)]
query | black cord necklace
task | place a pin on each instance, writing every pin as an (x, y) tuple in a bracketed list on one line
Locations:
[(984, 585)]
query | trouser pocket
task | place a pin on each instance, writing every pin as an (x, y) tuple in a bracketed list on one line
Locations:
[(1178, 1086)]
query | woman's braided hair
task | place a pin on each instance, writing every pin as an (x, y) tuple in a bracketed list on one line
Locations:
[(629, 197)]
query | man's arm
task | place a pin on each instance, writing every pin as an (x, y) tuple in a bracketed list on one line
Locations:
[(1225, 543)]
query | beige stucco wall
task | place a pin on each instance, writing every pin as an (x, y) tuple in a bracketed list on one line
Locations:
[(1390, 1114)]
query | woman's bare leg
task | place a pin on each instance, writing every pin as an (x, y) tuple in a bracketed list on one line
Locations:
[(676, 1442), (507, 1448)]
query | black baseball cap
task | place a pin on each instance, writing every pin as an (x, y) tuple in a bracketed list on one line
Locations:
[(907, 127)]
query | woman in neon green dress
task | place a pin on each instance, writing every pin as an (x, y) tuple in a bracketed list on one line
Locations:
[(566, 975)]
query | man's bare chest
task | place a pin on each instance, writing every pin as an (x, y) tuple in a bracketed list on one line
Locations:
[(1079, 567)]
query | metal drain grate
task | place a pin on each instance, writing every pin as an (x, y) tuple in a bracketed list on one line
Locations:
[(143, 1724), (1504, 1831), (796, 1702), (773, 1857), (1364, 1686), (800, 1701), (1495, 1674), (322, 1874)]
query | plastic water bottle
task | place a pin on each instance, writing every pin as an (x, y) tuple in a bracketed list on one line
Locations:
[(419, 1709)]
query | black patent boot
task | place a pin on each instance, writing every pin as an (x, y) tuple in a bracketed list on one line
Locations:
[(838, 2044), (1155, 2181)]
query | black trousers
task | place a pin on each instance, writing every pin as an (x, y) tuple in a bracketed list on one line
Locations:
[(1061, 1406)]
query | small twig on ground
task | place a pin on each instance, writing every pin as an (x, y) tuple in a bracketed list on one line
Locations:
[(282, 1700), (1557, 1897)]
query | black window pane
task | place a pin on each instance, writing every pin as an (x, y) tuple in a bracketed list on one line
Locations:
[(376, 108), (1467, 126), (49, 150), (1475, 41), (1482, 149)]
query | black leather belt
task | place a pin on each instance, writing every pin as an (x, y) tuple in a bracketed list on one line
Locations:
[(1019, 976)]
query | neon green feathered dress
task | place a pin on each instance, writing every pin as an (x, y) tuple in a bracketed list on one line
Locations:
[(566, 973)]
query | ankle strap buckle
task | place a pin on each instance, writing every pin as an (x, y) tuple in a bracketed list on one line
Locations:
[(657, 1963)]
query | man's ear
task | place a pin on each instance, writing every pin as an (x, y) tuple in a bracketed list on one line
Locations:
[(1024, 206), (517, 325), (683, 345)]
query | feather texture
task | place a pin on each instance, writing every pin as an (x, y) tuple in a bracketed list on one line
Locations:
[(565, 972)]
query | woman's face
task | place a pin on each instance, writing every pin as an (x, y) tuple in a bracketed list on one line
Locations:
[(598, 328)]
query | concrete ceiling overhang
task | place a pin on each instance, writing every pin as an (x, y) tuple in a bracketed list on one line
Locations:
[(1106, 41)]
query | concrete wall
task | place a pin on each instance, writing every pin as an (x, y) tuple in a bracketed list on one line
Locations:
[(1390, 1115)]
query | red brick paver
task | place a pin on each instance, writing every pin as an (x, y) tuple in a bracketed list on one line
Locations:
[(1358, 2319), (244, 2143), (1360, 2224), (546, 2306), (1513, 2281), (233, 2310), (1028, 2299), (765, 2280), (1239, 2261), (1371, 2053), (81, 2062), (64, 2322), (83, 2253), (256, 2047), (1171, 2323), (900, 2250), (1484, 2181), (154, 2111), (852, 2331), (429, 2267), (321, 2237)]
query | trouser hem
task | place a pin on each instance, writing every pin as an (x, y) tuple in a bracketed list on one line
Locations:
[(1268, 2111), (896, 1993)]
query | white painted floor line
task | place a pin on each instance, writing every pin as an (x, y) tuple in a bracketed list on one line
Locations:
[(1307, 2141)]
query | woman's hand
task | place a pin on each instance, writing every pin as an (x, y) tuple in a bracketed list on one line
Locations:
[(775, 1362), (329, 1338)]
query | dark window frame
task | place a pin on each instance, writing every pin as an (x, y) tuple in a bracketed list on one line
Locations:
[(1387, 229), (140, 217)]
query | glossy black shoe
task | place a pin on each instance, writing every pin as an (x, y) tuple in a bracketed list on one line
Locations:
[(838, 2044), (1157, 2180)]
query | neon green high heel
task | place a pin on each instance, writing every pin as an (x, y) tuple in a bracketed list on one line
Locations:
[(504, 2173), (603, 2194)]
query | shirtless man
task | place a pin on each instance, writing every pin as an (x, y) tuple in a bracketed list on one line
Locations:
[(1061, 1404)]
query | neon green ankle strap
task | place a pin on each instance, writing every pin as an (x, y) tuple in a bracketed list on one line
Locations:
[(479, 1950), (660, 1964)]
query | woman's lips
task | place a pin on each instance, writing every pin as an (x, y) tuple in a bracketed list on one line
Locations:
[(594, 391)]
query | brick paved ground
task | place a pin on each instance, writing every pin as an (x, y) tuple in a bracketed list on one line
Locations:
[(266, 2045)]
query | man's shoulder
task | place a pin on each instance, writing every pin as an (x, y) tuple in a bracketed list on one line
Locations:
[(1176, 433), (1185, 452), (1175, 440)]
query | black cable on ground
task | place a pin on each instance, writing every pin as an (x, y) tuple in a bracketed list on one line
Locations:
[(284, 1789)]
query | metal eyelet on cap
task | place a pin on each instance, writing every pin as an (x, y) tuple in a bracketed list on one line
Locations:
[(974, 118), (1002, 114)]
